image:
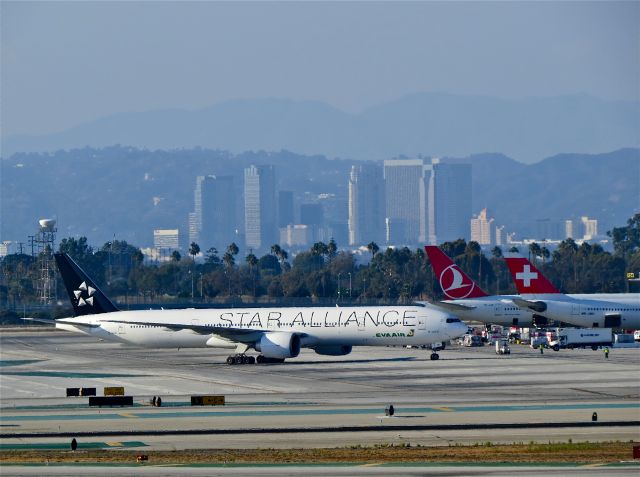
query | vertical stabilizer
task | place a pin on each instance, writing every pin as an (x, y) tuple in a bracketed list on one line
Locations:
[(455, 284), (85, 296), (528, 280)]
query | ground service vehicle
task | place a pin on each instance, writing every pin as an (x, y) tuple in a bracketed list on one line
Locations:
[(502, 347), (582, 338)]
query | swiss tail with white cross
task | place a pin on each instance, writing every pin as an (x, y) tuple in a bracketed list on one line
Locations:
[(528, 280)]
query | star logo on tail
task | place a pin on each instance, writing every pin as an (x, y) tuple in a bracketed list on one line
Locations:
[(84, 294)]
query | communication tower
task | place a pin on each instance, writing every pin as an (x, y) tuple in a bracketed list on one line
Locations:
[(45, 241)]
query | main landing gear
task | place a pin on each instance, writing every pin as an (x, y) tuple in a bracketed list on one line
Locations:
[(244, 359), (240, 359)]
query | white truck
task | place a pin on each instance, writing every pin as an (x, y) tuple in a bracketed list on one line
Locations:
[(571, 338)]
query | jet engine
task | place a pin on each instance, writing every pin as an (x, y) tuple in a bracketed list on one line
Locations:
[(279, 345), (333, 350)]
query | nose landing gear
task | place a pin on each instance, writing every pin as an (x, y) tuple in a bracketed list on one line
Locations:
[(435, 356)]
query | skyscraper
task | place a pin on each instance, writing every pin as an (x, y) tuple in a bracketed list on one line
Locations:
[(366, 204), (285, 208), (449, 200), (260, 207), (195, 217), (218, 222), (482, 229), (406, 184)]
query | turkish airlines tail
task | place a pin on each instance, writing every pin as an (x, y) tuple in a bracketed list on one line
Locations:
[(455, 284), (528, 280)]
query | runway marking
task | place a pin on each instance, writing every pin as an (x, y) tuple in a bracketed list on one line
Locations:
[(127, 414), (442, 408)]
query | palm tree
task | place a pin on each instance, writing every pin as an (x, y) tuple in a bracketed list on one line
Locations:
[(252, 261), (373, 248), (194, 249)]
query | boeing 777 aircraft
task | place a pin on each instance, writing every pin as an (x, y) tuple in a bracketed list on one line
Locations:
[(467, 300), (537, 294), (277, 333)]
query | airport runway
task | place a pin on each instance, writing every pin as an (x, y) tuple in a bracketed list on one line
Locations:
[(470, 395)]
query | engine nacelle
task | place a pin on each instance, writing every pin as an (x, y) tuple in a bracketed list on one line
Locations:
[(279, 345), (333, 350)]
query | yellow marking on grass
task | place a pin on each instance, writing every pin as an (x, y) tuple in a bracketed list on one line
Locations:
[(127, 414), (442, 408), (114, 444)]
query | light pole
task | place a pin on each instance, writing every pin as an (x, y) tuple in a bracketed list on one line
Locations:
[(349, 285), (190, 273), (339, 275)]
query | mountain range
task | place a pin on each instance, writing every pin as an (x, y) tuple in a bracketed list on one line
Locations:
[(435, 124)]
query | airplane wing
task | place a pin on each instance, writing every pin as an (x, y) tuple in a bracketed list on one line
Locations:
[(538, 306), (455, 306), (234, 333)]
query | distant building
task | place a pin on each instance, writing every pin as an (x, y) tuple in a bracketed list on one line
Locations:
[(449, 200), (548, 229), (568, 229), (285, 208), (167, 239), (195, 217), (501, 237), (590, 228), (312, 216), (298, 235), (218, 223), (366, 204), (260, 207), (4, 248), (406, 184), (482, 229)]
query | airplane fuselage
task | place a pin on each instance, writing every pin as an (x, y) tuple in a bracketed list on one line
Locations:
[(353, 326)]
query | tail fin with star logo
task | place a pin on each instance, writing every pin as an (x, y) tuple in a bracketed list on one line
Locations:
[(86, 298), (528, 279)]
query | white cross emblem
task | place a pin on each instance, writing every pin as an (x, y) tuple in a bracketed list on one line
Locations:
[(526, 275)]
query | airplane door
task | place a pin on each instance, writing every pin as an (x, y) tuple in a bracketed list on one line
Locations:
[(422, 322), (360, 320), (575, 309), (121, 329), (498, 310)]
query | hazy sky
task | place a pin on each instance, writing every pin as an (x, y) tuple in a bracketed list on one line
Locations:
[(67, 63)]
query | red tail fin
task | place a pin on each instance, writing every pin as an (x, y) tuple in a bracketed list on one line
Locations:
[(528, 280), (455, 284)]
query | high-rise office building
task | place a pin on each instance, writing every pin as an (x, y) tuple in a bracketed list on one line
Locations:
[(285, 208), (166, 239), (482, 229), (406, 184), (312, 216), (568, 229), (218, 221), (260, 207), (449, 200), (366, 204), (195, 217), (590, 227)]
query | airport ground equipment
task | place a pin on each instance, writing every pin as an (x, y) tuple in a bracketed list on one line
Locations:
[(502, 347), (571, 338)]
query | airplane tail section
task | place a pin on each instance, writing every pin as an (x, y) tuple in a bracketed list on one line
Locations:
[(528, 280), (86, 298), (455, 284)]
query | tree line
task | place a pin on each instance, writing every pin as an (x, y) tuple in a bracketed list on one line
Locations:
[(321, 274)]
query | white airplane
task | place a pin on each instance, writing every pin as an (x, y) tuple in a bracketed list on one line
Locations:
[(468, 301), (277, 333), (608, 310)]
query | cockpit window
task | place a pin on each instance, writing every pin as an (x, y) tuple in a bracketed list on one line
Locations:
[(453, 320)]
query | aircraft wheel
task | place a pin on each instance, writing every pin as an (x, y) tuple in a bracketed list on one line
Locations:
[(251, 360), (435, 356), (242, 359), (231, 360), (260, 359)]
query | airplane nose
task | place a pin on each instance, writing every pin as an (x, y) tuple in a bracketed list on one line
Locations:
[(458, 330)]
